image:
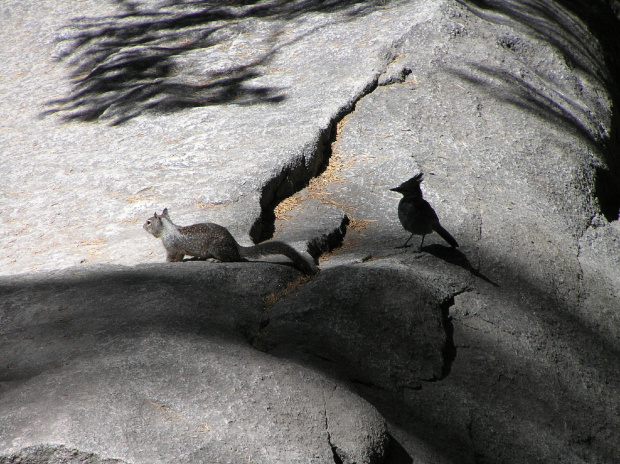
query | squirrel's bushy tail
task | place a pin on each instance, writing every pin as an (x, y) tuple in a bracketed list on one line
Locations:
[(280, 248)]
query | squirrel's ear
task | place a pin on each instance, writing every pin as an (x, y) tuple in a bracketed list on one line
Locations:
[(165, 212), (155, 215)]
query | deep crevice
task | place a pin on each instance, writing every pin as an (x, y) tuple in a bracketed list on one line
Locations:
[(337, 458), (607, 190), (328, 242), (295, 177), (449, 348), (580, 276)]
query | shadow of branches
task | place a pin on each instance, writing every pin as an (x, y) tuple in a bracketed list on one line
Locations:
[(547, 94), (165, 58)]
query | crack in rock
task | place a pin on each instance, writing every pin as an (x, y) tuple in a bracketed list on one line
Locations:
[(449, 349), (330, 241), (313, 160), (334, 448), (337, 459), (293, 178)]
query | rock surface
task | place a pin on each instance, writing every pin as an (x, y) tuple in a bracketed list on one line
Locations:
[(506, 349), (265, 82), (150, 364)]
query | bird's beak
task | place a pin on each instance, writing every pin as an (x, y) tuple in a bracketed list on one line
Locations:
[(395, 189)]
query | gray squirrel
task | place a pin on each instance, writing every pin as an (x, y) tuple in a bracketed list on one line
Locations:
[(209, 240)]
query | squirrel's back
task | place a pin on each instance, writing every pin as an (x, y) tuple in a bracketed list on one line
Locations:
[(206, 240), (209, 240)]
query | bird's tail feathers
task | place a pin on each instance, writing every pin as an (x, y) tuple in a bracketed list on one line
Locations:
[(446, 235)]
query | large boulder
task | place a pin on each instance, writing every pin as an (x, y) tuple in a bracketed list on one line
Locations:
[(354, 316), (503, 350), (152, 364)]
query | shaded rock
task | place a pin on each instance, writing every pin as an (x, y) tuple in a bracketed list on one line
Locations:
[(152, 365), (599, 258), (380, 323)]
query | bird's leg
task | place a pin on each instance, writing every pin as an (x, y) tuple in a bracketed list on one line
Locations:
[(422, 242), (405, 244)]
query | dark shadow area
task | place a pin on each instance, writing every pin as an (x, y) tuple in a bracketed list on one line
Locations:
[(457, 258), (551, 21), (500, 407), (496, 394), (449, 350), (79, 315), (365, 316), (607, 189), (396, 454), (528, 399), (155, 59), (327, 243)]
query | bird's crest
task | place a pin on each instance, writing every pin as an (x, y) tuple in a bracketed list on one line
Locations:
[(410, 185)]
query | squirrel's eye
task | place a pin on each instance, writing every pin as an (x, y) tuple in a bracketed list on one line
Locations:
[(148, 221)]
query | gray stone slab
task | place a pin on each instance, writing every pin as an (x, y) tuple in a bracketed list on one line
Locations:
[(508, 109), (264, 82), (351, 316), (152, 364)]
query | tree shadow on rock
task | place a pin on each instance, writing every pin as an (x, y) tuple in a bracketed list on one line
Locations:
[(545, 94), (164, 59)]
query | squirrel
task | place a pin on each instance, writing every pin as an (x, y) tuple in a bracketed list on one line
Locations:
[(209, 240)]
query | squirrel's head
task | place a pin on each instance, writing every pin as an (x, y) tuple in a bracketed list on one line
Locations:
[(154, 224)]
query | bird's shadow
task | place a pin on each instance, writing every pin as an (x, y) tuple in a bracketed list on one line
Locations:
[(456, 257)]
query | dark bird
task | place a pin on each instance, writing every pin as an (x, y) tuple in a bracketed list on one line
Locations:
[(416, 215)]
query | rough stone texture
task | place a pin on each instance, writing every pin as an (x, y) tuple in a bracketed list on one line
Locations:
[(505, 350), (231, 111), (600, 291), (510, 118), (150, 364), (351, 316)]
